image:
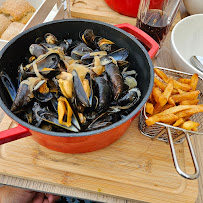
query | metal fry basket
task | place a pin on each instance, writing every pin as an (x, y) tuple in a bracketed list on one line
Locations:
[(171, 134)]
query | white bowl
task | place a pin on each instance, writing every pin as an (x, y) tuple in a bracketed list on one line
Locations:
[(186, 41), (193, 6)]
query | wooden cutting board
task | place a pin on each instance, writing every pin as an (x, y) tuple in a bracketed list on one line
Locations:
[(99, 10), (134, 167)]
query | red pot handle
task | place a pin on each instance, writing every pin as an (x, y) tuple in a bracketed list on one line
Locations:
[(142, 36), (13, 134)]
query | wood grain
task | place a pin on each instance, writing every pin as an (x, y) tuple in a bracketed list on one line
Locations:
[(97, 10), (134, 167)]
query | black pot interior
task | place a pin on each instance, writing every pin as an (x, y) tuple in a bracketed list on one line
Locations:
[(13, 54)]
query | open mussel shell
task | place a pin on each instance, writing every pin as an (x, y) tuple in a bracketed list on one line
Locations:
[(128, 100), (46, 65), (9, 85), (80, 50), (52, 118), (33, 116), (88, 58), (103, 120), (118, 55), (42, 96), (37, 50), (105, 44)]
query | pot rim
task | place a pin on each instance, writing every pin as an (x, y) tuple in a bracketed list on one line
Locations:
[(87, 133)]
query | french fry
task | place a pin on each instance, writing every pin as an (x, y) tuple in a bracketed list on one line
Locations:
[(151, 99), (178, 122), (181, 91), (149, 108), (185, 96), (169, 118), (189, 102), (156, 93), (167, 106), (161, 74), (177, 85), (182, 86), (174, 101), (162, 86), (194, 81), (157, 108), (168, 90), (171, 101), (190, 111), (163, 98), (176, 109), (184, 80), (189, 125)]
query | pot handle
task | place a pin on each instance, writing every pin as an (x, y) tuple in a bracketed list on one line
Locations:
[(142, 36), (13, 134)]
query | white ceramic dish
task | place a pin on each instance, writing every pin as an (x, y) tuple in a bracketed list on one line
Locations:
[(193, 6), (43, 9), (187, 40)]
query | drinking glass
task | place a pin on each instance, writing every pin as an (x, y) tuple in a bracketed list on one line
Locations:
[(155, 17)]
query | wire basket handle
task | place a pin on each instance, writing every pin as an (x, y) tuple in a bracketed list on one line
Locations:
[(175, 160)]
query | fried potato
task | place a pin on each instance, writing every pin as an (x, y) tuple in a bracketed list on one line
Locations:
[(194, 81), (179, 108), (186, 96), (177, 85), (149, 108), (171, 101), (169, 118), (161, 74), (167, 106), (190, 111), (168, 90), (190, 125), (151, 99), (174, 101), (156, 93), (182, 86), (162, 86), (184, 80), (189, 102), (181, 91), (178, 122)]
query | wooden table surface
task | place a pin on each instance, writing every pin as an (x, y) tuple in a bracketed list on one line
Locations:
[(164, 60)]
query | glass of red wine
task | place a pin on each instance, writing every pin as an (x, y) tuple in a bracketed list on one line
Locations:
[(155, 17)]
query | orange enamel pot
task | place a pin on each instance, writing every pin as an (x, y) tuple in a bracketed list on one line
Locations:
[(13, 54)]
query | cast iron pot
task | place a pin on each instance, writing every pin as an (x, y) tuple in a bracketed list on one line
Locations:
[(13, 54)]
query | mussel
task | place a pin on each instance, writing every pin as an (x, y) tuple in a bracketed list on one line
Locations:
[(80, 50), (73, 86)]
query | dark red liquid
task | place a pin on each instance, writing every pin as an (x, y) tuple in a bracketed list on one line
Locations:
[(155, 24)]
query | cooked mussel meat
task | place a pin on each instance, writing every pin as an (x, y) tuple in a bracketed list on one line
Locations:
[(50, 38)]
